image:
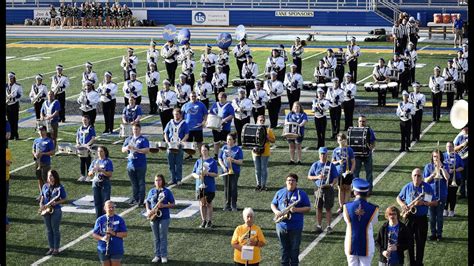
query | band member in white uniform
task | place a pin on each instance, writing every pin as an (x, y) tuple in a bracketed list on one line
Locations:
[(461, 64), (88, 99), (170, 52), (184, 51), (187, 68), (129, 63), (249, 71), (321, 73), (320, 106), (330, 62), (50, 114), (411, 56), (381, 74), (59, 84), (152, 55), (399, 66), (241, 51), (348, 104), (436, 84), (38, 94), (13, 93), (340, 62), (274, 89), (293, 84), (297, 51), (405, 112), (88, 74), (223, 60), (418, 100), (335, 96), (208, 61), (132, 87), (243, 108), (166, 100), (275, 63), (450, 74), (203, 90), (259, 98), (218, 81), (108, 90), (152, 80), (413, 30), (183, 91), (85, 137), (352, 55)]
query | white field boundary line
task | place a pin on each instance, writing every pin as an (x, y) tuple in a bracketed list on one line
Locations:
[(34, 55), (89, 233), (424, 47), (377, 179)]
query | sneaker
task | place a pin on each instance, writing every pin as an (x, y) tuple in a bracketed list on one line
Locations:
[(451, 214), (445, 213), (432, 238), (132, 202), (209, 224), (155, 260), (328, 229), (318, 230), (164, 260), (299, 163), (171, 183), (55, 252), (264, 188), (88, 179), (81, 179), (49, 252), (291, 163), (203, 224), (179, 183), (234, 209), (258, 188)]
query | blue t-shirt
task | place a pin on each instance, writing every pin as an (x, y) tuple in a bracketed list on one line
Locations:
[(115, 243), (234, 152), (458, 23), (138, 159), (105, 164), (283, 198), (393, 239), (54, 106), (318, 167), (372, 139), (44, 145), (409, 192), (193, 114), (48, 192), (297, 118), (440, 187), (455, 162), (85, 134), (152, 200), (346, 153), (209, 181), (131, 113), (180, 129), (223, 111)]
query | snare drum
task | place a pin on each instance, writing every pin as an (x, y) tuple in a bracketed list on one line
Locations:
[(383, 87), (173, 147), (189, 147), (154, 147), (307, 85), (358, 139), (449, 86), (82, 152), (238, 82), (125, 130), (322, 86), (93, 151), (392, 86), (375, 87), (329, 85), (254, 136), (161, 145), (64, 148), (291, 130), (214, 122), (368, 86), (461, 77)]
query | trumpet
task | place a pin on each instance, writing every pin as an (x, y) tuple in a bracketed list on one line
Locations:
[(452, 166), (286, 213), (230, 170), (411, 208), (156, 212)]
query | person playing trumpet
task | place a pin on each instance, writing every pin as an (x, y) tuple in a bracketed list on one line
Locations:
[(160, 199), (101, 170), (381, 74), (176, 131), (129, 63), (231, 159), (455, 168), (343, 158), (241, 51), (85, 137)]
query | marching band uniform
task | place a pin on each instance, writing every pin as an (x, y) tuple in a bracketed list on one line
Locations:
[(183, 91), (275, 63), (381, 73), (187, 68), (274, 89), (330, 62), (250, 71), (321, 73), (206, 195), (404, 31), (38, 94), (460, 142), (352, 55), (360, 217), (230, 180), (462, 66), (223, 60), (348, 103), (208, 61), (51, 109), (129, 63), (132, 87), (89, 74), (293, 84), (152, 55), (101, 182), (297, 51), (259, 98), (184, 51), (203, 90), (59, 84), (108, 90), (398, 66), (413, 32), (241, 51), (320, 106), (242, 107), (218, 81), (14, 91), (152, 80), (335, 96), (411, 56), (455, 167), (367, 160), (176, 130), (166, 100), (195, 114), (85, 137), (88, 99), (436, 85), (52, 220), (418, 100), (340, 62), (170, 53), (405, 112), (450, 74)]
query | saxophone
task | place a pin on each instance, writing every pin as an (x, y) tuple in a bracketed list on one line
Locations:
[(285, 214), (38, 96), (156, 212), (411, 208)]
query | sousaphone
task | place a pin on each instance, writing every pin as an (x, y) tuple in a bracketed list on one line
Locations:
[(240, 33), (459, 114), (169, 32)]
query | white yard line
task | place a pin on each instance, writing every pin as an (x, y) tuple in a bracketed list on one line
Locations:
[(33, 55), (424, 47), (315, 242)]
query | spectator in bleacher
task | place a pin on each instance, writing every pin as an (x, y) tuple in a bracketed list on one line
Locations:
[(52, 14), (107, 14), (62, 14), (69, 14), (100, 14), (76, 15), (458, 24)]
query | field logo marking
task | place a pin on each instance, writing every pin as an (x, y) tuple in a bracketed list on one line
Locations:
[(36, 58), (191, 209), (10, 57)]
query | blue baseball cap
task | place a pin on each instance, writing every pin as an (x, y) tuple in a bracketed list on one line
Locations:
[(323, 150)]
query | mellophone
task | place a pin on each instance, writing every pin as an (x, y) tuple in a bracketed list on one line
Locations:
[(242, 82), (80, 151), (380, 86)]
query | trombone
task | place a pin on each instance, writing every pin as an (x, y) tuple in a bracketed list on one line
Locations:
[(452, 166)]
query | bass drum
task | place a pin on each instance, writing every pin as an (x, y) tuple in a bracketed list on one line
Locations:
[(358, 139), (254, 136)]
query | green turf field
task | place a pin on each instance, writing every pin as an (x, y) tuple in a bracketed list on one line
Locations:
[(189, 245)]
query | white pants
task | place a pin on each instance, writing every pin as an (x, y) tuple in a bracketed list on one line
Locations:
[(358, 260)]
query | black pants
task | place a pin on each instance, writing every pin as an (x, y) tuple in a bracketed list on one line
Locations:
[(239, 124), (249, 87), (348, 113), (206, 103), (414, 40), (451, 200), (403, 43), (412, 74), (37, 107), (320, 130), (449, 100), (459, 90), (209, 72), (419, 229), (230, 190), (437, 98), (293, 96), (171, 71), (226, 70), (382, 97), (62, 108), (240, 65), (256, 112), (299, 64), (12, 115), (138, 100), (92, 114), (152, 92), (353, 69), (405, 131), (398, 48), (281, 75), (85, 164), (190, 80), (339, 71), (273, 110), (416, 125), (335, 114), (165, 117), (109, 111)]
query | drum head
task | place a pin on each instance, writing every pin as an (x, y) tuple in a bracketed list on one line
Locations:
[(392, 84), (329, 84)]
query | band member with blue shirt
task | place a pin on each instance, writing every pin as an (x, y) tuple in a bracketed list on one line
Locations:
[(85, 137), (360, 217), (205, 171), (42, 150), (455, 168), (158, 202), (52, 195), (324, 175), (436, 175), (417, 195), (225, 111), (461, 147), (137, 146), (101, 170), (132, 113), (176, 131), (231, 159), (110, 230), (343, 158), (195, 115), (296, 115), (293, 201), (50, 114)]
